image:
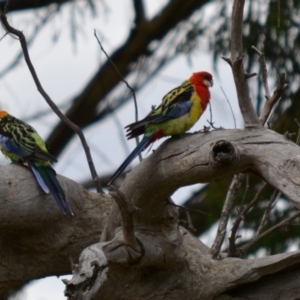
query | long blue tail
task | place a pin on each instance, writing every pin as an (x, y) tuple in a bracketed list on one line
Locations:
[(139, 148), (46, 178)]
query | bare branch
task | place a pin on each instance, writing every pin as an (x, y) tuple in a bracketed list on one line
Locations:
[(53, 106), (126, 83), (228, 60), (234, 120), (239, 218), (259, 235), (271, 203), (258, 238), (139, 11), (257, 51), (264, 72), (273, 99), (127, 222), (38, 28), (230, 197), (197, 158), (237, 182), (31, 4), (250, 75), (298, 135), (246, 107)]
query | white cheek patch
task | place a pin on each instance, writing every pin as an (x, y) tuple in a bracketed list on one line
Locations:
[(208, 83)]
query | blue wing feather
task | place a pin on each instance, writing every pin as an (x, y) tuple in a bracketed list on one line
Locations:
[(9, 145)]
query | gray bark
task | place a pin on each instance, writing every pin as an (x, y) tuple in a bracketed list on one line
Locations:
[(166, 262)]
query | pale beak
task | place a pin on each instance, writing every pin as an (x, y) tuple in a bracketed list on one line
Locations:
[(209, 83)]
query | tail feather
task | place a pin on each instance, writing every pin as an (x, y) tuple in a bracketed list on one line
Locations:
[(46, 178), (140, 147), (40, 180)]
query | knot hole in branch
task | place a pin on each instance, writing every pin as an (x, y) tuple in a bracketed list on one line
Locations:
[(223, 152)]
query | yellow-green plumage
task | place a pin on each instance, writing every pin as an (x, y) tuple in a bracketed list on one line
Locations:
[(22, 144), (180, 109), (182, 124)]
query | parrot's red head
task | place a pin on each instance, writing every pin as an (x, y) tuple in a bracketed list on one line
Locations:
[(3, 114), (202, 78), (202, 81)]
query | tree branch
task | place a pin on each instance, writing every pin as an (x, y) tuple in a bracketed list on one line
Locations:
[(50, 102), (139, 10), (271, 101), (167, 248), (31, 4), (281, 225), (127, 221), (227, 207), (131, 89), (236, 61), (238, 220), (36, 239)]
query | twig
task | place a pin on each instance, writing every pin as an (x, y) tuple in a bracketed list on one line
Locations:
[(256, 239), (250, 75), (210, 115), (126, 83), (273, 199), (231, 195), (264, 72), (128, 227), (246, 189), (273, 99), (229, 106), (70, 124), (239, 218), (3, 36), (236, 62), (188, 209), (38, 27), (298, 135), (228, 60), (189, 222), (210, 122)]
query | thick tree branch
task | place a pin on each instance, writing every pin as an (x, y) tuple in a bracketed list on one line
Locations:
[(36, 239), (183, 161), (178, 162)]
